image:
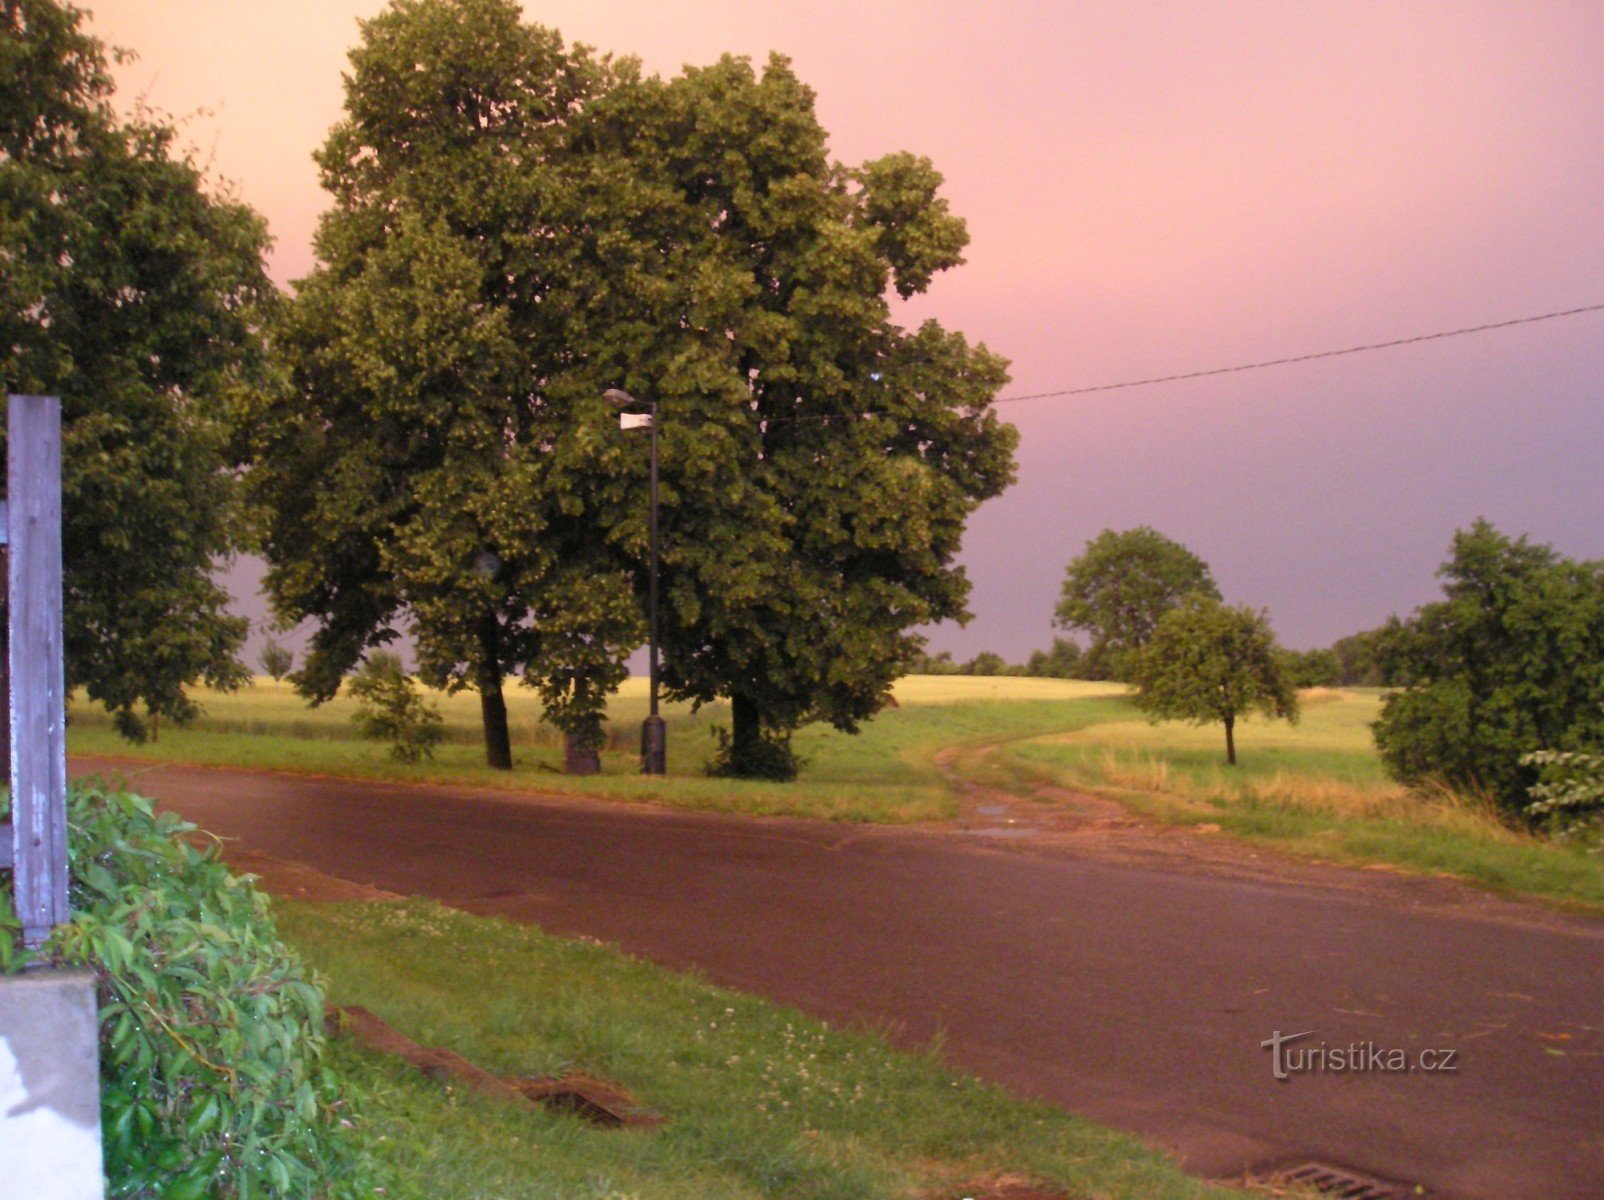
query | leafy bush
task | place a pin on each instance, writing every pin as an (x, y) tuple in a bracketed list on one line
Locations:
[(1507, 663), (1569, 794), (766, 756), (214, 1081), (390, 708)]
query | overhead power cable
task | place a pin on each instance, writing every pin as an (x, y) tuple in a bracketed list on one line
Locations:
[(1300, 358)]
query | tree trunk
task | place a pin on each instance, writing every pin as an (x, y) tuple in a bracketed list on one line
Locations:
[(746, 718), (582, 750), (492, 704), (1230, 741)]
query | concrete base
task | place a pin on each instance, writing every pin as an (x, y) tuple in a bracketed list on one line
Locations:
[(50, 1086)]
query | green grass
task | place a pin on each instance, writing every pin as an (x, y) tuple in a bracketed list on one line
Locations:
[(760, 1100), (1316, 789), (886, 773), (1331, 743)]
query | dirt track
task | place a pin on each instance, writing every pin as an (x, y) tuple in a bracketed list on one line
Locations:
[(1125, 973)]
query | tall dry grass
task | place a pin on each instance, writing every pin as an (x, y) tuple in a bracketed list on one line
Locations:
[(1433, 805)]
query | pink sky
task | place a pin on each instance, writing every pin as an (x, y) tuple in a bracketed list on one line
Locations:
[(1150, 188)]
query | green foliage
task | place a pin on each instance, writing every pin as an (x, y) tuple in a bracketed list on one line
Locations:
[(1207, 662), (1118, 590), (390, 708), (768, 756), (987, 662), (921, 663), (1061, 662), (1313, 668), (129, 291), (276, 660), (214, 1078), (1507, 664), (1569, 794), (1359, 659), (1066, 660)]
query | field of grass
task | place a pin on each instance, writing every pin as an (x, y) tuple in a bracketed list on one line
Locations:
[(759, 1100), (885, 773), (1330, 746), (1315, 789)]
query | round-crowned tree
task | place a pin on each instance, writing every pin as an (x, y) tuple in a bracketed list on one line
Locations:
[(1208, 663), (1119, 589)]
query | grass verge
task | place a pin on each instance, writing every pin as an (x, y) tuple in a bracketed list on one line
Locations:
[(886, 773), (761, 1101), (1316, 789)]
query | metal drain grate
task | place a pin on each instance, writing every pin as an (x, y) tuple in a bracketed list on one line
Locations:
[(1346, 1185)]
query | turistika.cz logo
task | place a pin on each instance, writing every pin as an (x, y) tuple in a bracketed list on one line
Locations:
[(1354, 1058)]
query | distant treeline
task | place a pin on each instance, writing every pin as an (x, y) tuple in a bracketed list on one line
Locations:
[(1353, 661)]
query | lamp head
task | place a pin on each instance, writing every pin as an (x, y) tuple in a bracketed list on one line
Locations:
[(619, 397)]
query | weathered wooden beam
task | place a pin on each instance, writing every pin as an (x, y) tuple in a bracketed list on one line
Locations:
[(37, 673)]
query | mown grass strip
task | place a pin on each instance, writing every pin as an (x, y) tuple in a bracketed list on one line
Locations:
[(760, 1100)]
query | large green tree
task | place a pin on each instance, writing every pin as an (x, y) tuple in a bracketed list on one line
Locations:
[(518, 226), (820, 460), (131, 291), (1510, 662), (439, 458), (1119, 588), (1207, 662)]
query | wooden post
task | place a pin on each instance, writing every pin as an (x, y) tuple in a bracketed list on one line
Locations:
[(37, 672), (5, 675)]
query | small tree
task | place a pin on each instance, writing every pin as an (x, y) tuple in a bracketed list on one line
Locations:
[(389, 707), (1209, 662), (1119, 589), (276, 660)]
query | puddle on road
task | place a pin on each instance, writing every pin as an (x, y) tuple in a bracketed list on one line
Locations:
[(1002, 831)]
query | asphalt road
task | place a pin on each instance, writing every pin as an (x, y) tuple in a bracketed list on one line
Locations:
[(1137, 995)]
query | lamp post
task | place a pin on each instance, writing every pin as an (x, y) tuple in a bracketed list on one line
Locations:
[(653, 733)]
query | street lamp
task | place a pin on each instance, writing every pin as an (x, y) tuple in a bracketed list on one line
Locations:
[(653, 733)]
